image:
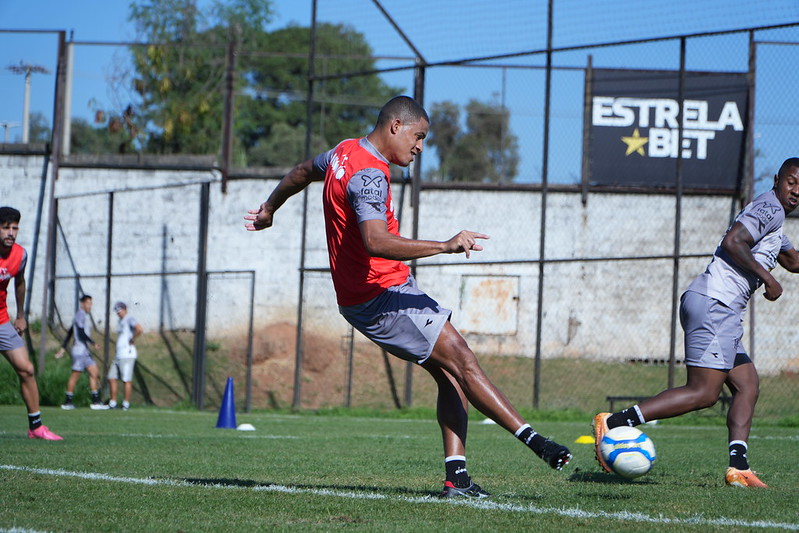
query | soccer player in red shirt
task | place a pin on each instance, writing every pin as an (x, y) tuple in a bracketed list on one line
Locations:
[(376, 292), (13, 258)]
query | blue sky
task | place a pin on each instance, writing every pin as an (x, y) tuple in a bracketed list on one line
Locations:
[(84, 20), (442, 30)]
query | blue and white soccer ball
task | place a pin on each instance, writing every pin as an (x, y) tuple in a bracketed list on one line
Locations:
[(628, 451)]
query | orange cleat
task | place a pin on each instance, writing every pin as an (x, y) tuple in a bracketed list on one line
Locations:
[(600, 427), (743, 478), (43, 433)]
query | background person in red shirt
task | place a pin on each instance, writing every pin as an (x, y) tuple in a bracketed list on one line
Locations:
[(13, 258)]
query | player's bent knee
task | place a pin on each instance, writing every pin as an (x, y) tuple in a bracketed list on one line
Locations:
[(706, 400), (24, 370)]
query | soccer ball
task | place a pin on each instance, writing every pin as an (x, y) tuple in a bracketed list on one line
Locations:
[(628, 451)]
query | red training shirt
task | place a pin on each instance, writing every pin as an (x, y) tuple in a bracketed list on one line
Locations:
[(357, 188)]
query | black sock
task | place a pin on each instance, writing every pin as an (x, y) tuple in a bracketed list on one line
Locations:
[(628, 417), (95, 397), (456, 471), (69, 397), (533, 440), (34, 419), (738, 455)]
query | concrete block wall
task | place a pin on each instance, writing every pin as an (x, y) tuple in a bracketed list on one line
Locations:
[(615, 309)]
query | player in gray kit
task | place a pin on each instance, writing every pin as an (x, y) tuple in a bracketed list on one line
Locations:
[(711, 314), (81, 356), (125, 361)]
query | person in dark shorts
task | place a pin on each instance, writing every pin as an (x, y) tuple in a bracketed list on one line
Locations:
[(711, 314), (82, 360), (376, 292), (13, 259)]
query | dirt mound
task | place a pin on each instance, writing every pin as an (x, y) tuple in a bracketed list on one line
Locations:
[(274, 354)]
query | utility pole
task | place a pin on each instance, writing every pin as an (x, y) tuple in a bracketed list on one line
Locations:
[(6, 126), (27, 69)]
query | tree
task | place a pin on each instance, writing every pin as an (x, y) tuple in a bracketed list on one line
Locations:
[(38, 128), (486, 151), (346, 106), (445, 127), (180, 75), (180, 81), (87, 139), (284, 146)]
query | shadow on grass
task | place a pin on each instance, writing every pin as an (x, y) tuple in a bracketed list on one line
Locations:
[(606, 478), (249, 483)]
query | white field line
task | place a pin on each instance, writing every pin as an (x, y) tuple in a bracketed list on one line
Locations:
[(775, 437), (478, 504)]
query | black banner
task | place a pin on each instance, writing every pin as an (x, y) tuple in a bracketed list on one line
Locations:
[(634, 128)]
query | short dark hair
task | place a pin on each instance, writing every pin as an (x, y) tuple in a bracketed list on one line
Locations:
[(85, 297), (788, 164), (9, 214), (404, 108)]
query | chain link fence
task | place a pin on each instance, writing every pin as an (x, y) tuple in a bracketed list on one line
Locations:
[(572, 303)]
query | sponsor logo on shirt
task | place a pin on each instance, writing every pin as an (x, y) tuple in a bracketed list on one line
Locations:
[(338, 165), (371, 190), (765, 213)]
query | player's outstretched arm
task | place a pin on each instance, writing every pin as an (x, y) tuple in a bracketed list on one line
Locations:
[(295, 181), (379, 242)]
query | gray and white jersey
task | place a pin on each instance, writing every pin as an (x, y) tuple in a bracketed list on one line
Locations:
[(726, 282), (125, 329), (81, 332)]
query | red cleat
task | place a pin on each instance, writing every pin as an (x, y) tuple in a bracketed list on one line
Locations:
[(42, 432)]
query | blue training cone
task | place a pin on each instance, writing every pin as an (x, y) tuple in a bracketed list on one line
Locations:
[(227, 413)]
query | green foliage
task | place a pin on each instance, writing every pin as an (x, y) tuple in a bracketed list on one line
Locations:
[(486, 151), (180, 75), (38, 128), (52, 384), (87, 139), (284, 146), (347, 106), (180, 80), (9, 386)]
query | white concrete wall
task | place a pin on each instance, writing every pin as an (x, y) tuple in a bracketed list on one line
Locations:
[(594, 309)]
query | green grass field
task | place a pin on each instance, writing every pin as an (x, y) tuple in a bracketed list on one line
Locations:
[(159, 470)]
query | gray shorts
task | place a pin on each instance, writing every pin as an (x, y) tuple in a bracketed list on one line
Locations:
[(713, 333), (9, 338), (403, 320), (81, 362), (122, 369)]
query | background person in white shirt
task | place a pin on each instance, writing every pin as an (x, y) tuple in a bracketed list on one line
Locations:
[(124, 362)]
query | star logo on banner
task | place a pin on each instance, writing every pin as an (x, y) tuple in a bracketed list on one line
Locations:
[(635, 143)]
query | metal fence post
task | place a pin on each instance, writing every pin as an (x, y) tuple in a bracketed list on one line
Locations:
[(675, 284), (543, 233), (202, 297)]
